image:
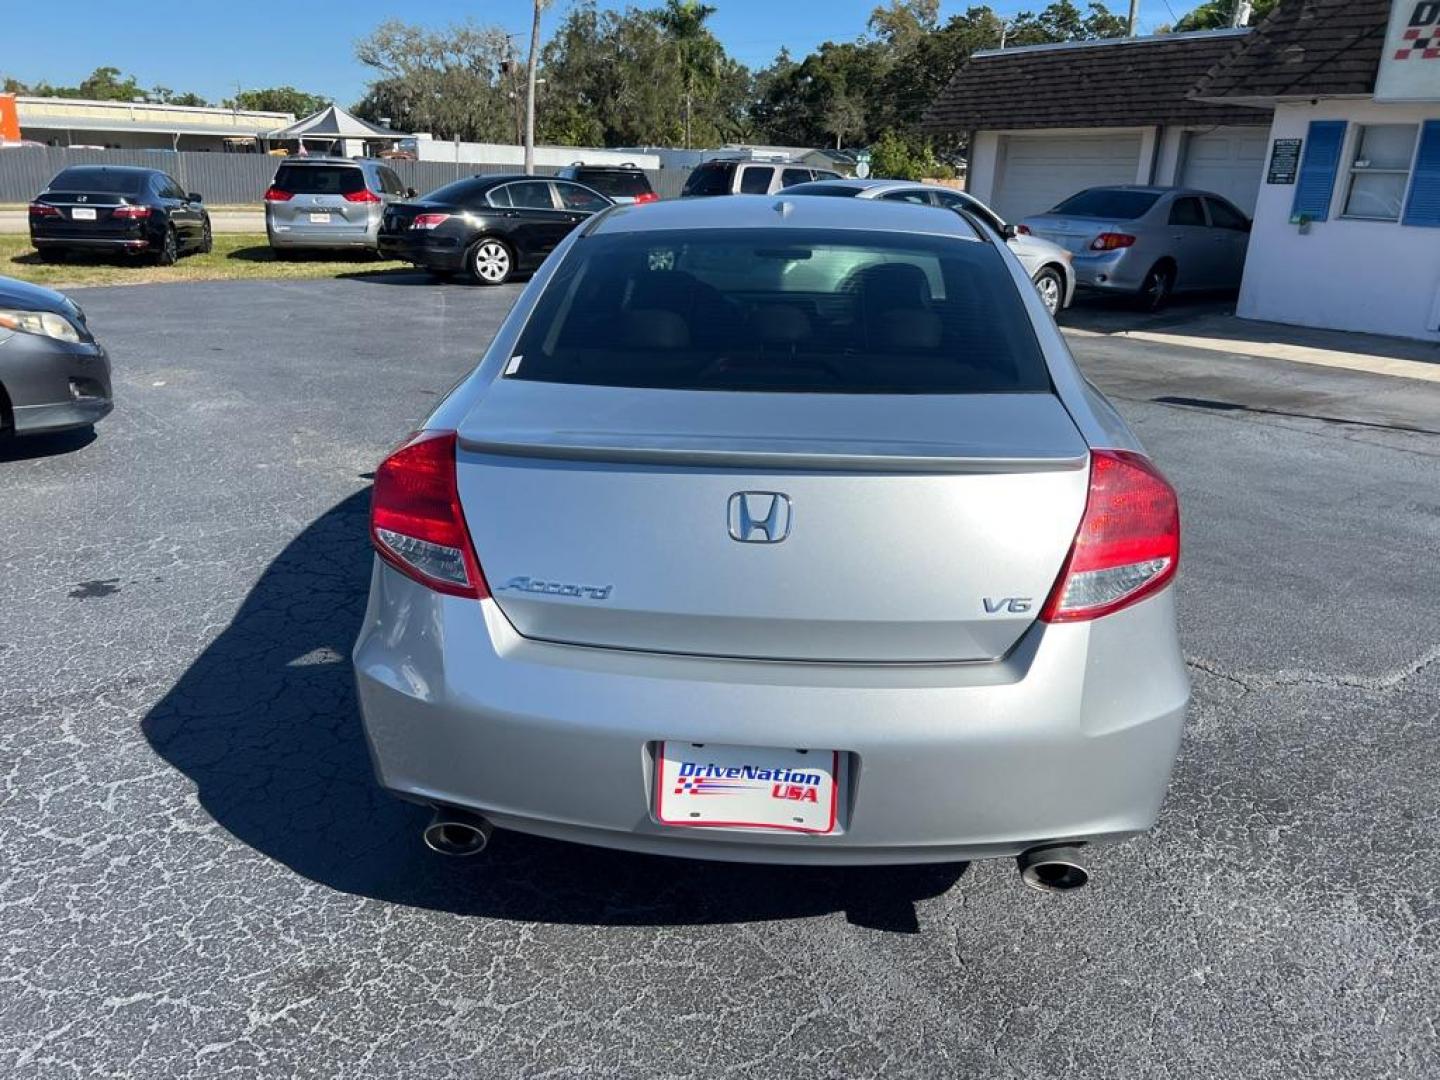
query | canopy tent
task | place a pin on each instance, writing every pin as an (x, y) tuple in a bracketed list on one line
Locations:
[(333, 122)]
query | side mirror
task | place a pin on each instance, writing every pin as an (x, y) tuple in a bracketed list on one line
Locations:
[(410, 193), (1009, 232), (194, 196)]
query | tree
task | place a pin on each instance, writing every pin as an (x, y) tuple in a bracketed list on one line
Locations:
[(696, 50), (284, 99), (1063, 21), (1217, 14), (447, 81), (893, 156), (107, 84)]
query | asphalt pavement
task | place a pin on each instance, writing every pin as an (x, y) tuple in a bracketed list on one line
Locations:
[(199, 877)]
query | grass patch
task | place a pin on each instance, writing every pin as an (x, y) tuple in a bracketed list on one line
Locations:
[(236, 256)]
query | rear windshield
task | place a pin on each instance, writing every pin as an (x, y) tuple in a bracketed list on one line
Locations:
[(94, 178), (818, 311), (1107, 203), (709, 180), (320, 179), (821, 187), (626, 184), (468, 192)]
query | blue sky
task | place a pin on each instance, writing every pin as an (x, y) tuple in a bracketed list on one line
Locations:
[(211, 47)]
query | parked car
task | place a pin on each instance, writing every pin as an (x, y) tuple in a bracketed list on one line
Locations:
[(1047, 264), (490, 227), (619, 183), (329, 203), (778, 537), (1148, 241), (118, 208), (54, 375), (729, 176)]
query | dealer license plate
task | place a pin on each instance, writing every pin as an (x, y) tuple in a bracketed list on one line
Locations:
[(320, 219), (746, 787), (82, 213)]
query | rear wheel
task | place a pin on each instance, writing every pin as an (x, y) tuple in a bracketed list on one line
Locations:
[(1051, 287), (1157, 287), (169, 251), (207, 239), (490, 262)]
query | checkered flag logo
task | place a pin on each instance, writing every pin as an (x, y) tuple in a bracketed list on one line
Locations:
[(1421, 39)]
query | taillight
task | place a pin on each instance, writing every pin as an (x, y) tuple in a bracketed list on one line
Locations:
[(1110, 241), (416, 523), (429, 221), (363, 195), (275, 194), (43, 210), (1128, 543), (130, 213), (649, 196)]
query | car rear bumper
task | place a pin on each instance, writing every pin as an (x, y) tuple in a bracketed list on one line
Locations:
[(424, 249), (1071, 737), (105, 243), (1110, 271), (337, 237), (54, 385)]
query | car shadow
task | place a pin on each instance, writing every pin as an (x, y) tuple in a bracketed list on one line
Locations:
[(28, 447), (265, 724)]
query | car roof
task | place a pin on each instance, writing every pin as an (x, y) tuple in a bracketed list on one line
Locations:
[(112, 168), (781, 212), (628, 166)]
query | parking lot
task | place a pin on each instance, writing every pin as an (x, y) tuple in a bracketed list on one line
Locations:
[(201, 878)]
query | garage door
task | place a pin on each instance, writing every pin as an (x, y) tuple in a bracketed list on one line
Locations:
[(1039, 171), (1227, 161)]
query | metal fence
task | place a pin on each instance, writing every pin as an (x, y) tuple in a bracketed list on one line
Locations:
[(240, 178)]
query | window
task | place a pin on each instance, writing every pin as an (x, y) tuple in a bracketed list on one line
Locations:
[(575, 197), (390, 181), (167, 188), (708, 180), (1225, 216), (795, 176), (1114, 203), (755, 179), (919, 198), (100, 180), (1187, 211), (320, 179), (1380, 171), (798, 311), (626, 183), (528, 195)]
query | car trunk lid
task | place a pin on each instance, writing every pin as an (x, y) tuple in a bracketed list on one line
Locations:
[(651, 520), (1074, 234)]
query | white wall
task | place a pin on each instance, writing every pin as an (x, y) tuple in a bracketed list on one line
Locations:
[(1376, 277), (505, 154), (983, 166)]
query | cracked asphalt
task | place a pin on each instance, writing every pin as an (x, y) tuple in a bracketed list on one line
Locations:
[(198, 876)]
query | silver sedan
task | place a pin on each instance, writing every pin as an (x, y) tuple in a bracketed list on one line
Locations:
[(1047, 264), (777, 530), (1149, 242)]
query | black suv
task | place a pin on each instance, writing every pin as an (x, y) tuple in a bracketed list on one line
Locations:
[(619, 183)]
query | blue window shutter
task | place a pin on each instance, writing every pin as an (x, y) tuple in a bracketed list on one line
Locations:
[(1317, 169), (1424, 205)]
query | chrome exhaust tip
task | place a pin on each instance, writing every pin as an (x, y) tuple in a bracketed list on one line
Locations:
[(457, 832), (1053, 869)]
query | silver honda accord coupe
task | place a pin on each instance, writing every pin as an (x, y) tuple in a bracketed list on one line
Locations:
[(777, 530)]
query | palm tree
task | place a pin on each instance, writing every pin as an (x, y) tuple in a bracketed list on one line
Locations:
[(696, 50)]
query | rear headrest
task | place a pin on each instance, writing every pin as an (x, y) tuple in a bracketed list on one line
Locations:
[(895, 285), (652, 328)]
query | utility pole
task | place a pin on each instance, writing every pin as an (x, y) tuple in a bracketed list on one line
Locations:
[(1243, 8), (1134, 30), (530, 68)]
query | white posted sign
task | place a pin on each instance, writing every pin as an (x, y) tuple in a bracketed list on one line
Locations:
[(1410, 63)]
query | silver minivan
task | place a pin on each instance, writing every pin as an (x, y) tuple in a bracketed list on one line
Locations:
[(329, 203)]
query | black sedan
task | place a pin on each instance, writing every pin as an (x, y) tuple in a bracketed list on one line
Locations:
[(490, 227), (118, 208), (54, 375)]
